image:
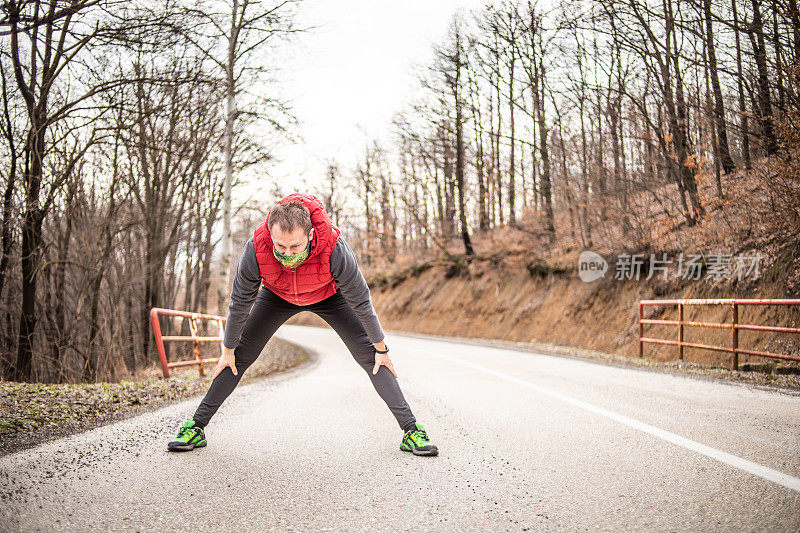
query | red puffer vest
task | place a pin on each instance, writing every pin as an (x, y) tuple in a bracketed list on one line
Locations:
[(311, 282)]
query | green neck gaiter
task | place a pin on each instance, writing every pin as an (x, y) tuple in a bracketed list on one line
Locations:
[(293, 260)]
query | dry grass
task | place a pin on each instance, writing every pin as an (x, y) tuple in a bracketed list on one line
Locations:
[(31, 413)]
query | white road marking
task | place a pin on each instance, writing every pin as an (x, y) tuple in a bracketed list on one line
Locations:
[(762, 471)]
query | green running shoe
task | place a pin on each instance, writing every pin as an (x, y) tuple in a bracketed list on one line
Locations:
[(416, 441), (189, 437)]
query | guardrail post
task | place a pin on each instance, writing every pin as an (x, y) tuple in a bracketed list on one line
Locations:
[(221, 325), (159, 342), (641, 331), (196, 337), (680, 331), (193, 329), (734, 337)]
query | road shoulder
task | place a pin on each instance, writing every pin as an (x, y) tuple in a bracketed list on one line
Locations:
[(785, 383)]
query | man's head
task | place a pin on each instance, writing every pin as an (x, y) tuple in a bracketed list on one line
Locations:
[(290, 227)]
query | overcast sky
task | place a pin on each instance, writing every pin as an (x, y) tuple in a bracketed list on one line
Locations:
[(348, 77)]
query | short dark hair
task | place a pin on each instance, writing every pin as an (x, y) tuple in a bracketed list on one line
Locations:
[(290, 215)]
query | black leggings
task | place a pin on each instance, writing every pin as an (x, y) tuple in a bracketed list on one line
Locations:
[(268, 313)]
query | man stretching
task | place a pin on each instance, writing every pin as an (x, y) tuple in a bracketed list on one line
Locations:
[(304, 264)]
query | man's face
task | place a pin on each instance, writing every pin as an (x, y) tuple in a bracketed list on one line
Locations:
[(290, 242)]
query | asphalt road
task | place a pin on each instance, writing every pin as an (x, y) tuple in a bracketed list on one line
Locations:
[(527, 442)]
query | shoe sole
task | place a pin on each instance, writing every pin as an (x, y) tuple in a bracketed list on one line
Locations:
[(184, 447), (428, 453)]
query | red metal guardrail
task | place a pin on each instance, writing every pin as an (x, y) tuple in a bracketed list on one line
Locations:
[(195, 338), (734, 325)]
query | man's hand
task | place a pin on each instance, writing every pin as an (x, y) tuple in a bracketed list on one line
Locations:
[(382, 359), (227, 358)]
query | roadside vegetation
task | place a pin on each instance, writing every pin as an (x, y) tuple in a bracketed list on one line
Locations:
[(32, 413)]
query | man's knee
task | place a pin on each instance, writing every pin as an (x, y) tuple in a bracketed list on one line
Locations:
[(242, 366), (244, 357), (364, 356)]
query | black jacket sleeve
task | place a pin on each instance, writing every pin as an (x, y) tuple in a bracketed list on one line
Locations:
[(348, 277), (246, 285)]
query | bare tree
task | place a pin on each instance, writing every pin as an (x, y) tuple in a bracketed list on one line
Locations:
[(451, 63), (53, 37), (233, 47)]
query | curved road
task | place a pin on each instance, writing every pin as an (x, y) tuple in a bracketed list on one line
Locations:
[(527, 442)]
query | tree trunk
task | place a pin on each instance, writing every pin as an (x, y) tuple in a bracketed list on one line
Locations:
[(498, 184), (57, 341), (586, 232), (8, 196), (764, 109), (740, 86), (776, 41), (462, 204), (719, 109), (227, 236), (545, 184), (483, 219), (676, 107), (30, 252), (794, 16), (90, 365), (512, 218), (449, 190)]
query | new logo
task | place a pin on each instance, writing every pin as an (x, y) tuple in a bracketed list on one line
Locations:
[(591, 266)]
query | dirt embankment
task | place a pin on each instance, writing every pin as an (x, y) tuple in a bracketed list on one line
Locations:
[(523, 300)]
